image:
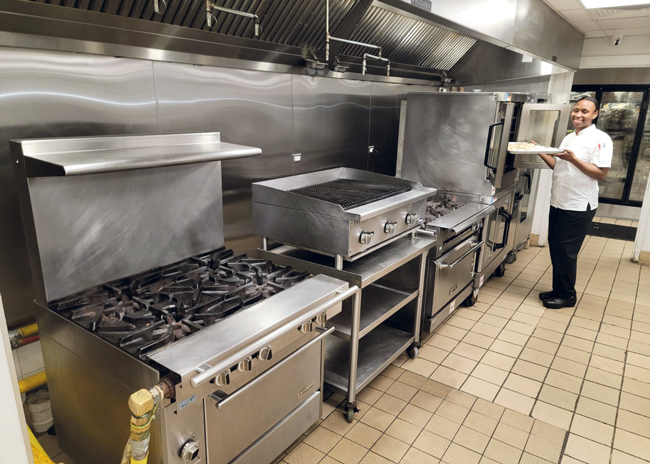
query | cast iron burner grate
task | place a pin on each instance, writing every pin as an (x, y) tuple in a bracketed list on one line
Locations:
[(598, 229), (349, 193)]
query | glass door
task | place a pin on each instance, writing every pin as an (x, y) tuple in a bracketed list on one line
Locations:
[(623, 116)]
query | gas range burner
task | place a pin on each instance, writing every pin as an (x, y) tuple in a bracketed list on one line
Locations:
[(438, 208), (143, 313)]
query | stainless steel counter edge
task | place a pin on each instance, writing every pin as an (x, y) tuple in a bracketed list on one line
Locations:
[(220, 341), (463, 217)]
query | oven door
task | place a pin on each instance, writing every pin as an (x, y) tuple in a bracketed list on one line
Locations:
[(544, 123), (495, 232), (496, 150)]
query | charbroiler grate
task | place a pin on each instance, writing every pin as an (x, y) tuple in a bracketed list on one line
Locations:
[(150, 310), (349, 193)]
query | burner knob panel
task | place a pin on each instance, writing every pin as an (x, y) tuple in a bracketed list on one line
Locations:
[(222, 379), (365, 237), (411, 219), (245, 365), (307, 327), (390, 227), (190, 451), (265, 353)]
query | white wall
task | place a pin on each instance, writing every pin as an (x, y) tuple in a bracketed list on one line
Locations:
[(599, 52), (14, 441)]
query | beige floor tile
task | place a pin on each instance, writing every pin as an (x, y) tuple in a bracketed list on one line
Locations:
[(452, 332), (578, 344), (459, 363), (431, 444), (544, 449), (639, 360), (526, 318), (638, 347), (369, 395), (488, 409), (618, 457), (574, 355), (522, 385), (542, 345), (433, 354), (505, 348), (587, 451), (464, 399), (580, 332), (393, 372), (414, 380), (637, 373), (442, 426), (426, 401), (600, 393), (436, 389), (596, 410), (500, 312), (479, 340), (528, 458), (490, 374), (502, 453), (459, 455), (403, 431), (511, 436), (487, 329), (480, 423), (611, 340), (461, 322), (390, 404), (606, 364), (469, 351), (530, 370), (569, 367), (517, 420), (448, 377), (420, 366), (377, 419), (609, 352), (558, 397), (495, 321), (515, 401), (636, 388), (634, 423), (452, 412), (552, 414), (498, 360), (471, 439), (537, 357), (442, 342), (415, 456), (390, 448), (337, 423), (416, 416), (322, 439), (564, 381), (402, 391), (616, 330), (558, 327), (348, 452), (549, 432), (548, 335), (635, 404), (604, 378), (304, 454), (593, 430), (363, 435), (480, 388), (372, 458), (381, 383), (513, 337)]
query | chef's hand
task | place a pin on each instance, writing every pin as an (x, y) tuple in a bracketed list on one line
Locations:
[(567, 155)]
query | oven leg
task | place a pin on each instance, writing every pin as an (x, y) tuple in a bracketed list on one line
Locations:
[(265, 244), (351, 405), (414, 350), (339, 262)]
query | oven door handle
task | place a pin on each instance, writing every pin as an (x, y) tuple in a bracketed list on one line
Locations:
[(506, 232), (486, 162), (441, 265), (223, 402)]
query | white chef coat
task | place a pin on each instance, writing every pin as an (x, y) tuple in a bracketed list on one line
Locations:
[(572, 189)]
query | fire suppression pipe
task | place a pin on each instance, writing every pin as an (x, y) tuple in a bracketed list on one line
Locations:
[(32, 382), (329, 38), (209, 6)]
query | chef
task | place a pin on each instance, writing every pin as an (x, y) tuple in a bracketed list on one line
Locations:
[(586, 159)]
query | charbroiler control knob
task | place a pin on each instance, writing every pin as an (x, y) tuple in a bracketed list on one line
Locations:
[(365, 237), (222, 379), (411, 219), (190, 451), (321, 318), (265, 353), (390, 227), (306, 327), (245, 365)]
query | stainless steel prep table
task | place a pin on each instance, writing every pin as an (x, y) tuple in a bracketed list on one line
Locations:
[(383, 322)]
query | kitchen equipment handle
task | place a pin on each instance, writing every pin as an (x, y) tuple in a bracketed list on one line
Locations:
[(426, 233), (451, 266), (508, 216), (204, 376), (223, 402), (489, 142)]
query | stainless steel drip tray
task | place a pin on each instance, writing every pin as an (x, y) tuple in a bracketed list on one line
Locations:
[(460, 219)]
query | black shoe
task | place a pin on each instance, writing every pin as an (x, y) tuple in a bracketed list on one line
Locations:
[(558, 303), (545, 295)]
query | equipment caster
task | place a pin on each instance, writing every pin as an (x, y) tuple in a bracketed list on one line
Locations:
[(501, 270), (413, 352), (350, 409), (470, 300), (511, 258)]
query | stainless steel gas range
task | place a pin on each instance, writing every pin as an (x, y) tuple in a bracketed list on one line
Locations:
[(136, 288)]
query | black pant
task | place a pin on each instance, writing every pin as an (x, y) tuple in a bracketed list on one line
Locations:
[(566, 233)]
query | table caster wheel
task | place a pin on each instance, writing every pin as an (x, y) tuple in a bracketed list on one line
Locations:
[(501, 270), (349, 415), (413, 352), (470, 300)]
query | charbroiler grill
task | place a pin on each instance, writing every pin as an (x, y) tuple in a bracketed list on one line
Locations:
[(340, 212), (134, 287)]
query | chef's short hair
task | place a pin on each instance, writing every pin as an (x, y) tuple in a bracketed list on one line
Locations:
[(592, 100)]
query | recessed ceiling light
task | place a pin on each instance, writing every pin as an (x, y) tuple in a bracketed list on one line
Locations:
[(590, 4)]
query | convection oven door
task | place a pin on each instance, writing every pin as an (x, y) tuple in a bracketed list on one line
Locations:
[(545, 124), (496, 150), (495, 234)]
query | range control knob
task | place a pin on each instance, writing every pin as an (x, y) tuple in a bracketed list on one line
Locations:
[(411, 219), (390, 227), (306, 327), (321, 318), (265, 353), (365, 237), (245, 365), (190, 451), (222, 379)]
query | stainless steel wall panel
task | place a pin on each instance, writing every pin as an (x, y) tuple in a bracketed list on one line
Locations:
[(330, 123), (384, 125), (612, 76), (47, 94)]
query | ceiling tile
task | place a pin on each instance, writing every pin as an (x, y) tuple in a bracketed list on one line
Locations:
[(560, 5), (629, 31), (576, 15), (596, 34), (587, 26), (626, 23)]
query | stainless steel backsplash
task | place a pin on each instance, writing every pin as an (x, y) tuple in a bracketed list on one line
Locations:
[(331, 122)]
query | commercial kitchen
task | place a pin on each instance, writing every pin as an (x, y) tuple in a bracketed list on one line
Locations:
[(315, 231)]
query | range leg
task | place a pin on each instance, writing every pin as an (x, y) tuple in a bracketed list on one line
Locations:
[(351, 405)]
